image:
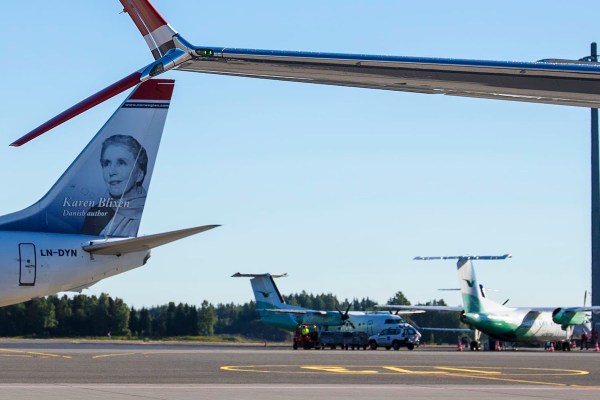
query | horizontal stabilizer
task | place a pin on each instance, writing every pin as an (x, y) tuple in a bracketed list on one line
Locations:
[(240, 275), (502, 257), (123, 246)]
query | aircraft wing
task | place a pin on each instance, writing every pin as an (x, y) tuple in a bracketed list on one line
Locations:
[(316, 317), (562, 82), (297, 312), (567, 309), (574, 84), (131, 245), (420, 308), (425, 328)]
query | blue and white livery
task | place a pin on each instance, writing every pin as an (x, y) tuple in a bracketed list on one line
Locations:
[(85, 228)]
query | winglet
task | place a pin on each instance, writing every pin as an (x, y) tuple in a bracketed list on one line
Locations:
[(168, 49), (156, 31), (118, 87)]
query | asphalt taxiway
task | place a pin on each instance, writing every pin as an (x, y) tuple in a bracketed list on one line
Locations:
[(122, 370)]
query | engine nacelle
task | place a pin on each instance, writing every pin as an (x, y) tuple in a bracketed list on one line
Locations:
[(562, 316)]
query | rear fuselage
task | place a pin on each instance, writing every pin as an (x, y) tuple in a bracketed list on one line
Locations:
[(518, 325), (34, 264)]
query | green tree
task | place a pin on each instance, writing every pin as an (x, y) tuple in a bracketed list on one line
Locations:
[(207, 318), (118, 317), (145, 325), (399, 299), (40, 317), (64, 313), (170, 319), (12, 320), (134, 322)]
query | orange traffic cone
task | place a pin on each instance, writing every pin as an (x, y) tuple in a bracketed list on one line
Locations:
[(460, 346), (597, 349), (497, 348), (551, 347)]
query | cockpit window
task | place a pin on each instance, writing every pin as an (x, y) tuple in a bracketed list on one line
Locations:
[(391, 321)]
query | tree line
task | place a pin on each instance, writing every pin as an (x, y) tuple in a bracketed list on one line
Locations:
[(96, 316)]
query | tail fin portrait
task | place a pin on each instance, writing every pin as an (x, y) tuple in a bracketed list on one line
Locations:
[(103, 192)]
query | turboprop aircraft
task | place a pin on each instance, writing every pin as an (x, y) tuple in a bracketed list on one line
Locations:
[(512, 324), (85, 228), (552, 81), (273, 310)]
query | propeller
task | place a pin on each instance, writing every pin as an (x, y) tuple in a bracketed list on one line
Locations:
[(345, 317)]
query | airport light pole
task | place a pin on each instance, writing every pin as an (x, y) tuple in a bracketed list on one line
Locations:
[(595, 176)]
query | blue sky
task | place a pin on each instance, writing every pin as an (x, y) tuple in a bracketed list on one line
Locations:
[(339, 187)]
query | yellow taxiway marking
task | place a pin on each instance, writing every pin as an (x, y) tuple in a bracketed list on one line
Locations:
[(411, 371), (33, 353), (113, 355), (472, 371), (338, 369), (508, 374), (133, 353), (255, 368), (16, 355)]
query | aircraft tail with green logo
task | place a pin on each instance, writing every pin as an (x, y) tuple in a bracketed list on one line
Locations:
[(473, 294), (513, 324)]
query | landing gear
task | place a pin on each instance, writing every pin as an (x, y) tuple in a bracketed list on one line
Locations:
[(475, 345)]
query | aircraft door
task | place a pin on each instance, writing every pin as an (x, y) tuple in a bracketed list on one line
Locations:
[(370, 328), (27, 264)]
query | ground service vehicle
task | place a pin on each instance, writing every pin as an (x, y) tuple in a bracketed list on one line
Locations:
[(344, 339), (404, 335), (306, 336)]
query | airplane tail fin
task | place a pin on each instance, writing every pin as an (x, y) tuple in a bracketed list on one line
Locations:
[(265, 290), (473, 294), (103, 192), (156, 31)]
